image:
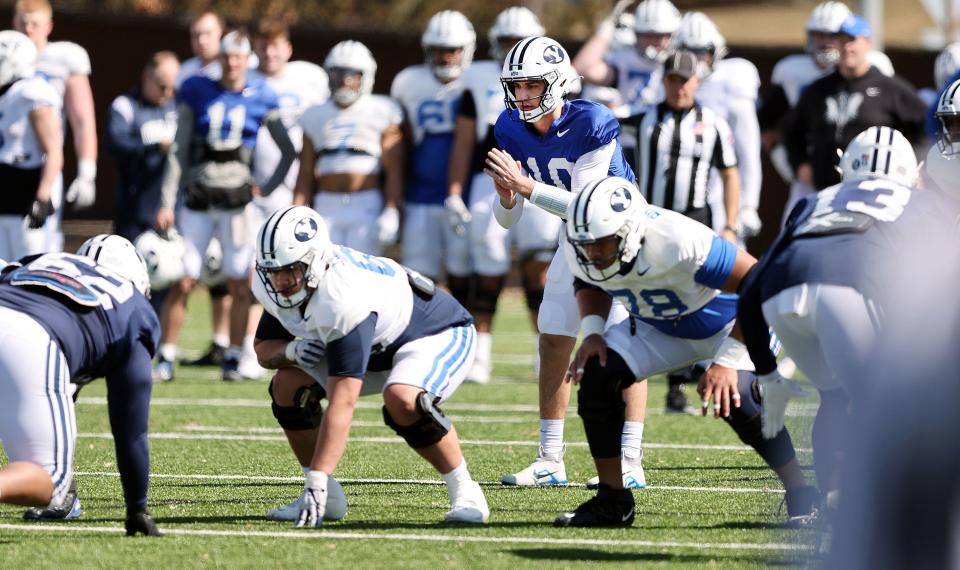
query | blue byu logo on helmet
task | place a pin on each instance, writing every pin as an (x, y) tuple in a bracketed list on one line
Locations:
[(620, 200), (553, 54), (305, 229)]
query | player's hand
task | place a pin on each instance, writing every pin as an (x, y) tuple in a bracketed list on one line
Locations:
[(609, 24), (507, 172), (139, 521), (388, 225), (458, 215), (306, 353), (749, 223), (313, 500), (165, 219), (775, 392), (40, 210), (719, 383), (83, 190), (593, 345)]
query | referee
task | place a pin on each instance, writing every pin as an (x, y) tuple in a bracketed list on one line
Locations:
[(678, 143)]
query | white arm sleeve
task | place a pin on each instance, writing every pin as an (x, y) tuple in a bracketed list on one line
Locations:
[(507, 218), (592, 166), (746, 133)]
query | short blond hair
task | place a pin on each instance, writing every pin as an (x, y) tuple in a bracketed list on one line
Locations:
[(27, 6)]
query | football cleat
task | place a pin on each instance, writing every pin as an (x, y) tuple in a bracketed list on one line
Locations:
[(546, 469), (163, 370), (633, 477), (479, 372), (231, 369), (610, 507), (470, 507), (336, 505), (250, 369), (288, 512), (68, 509), (677, 402), (213, 357), (803, 507)]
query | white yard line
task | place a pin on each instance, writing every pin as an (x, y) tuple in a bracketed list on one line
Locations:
[(327, 535)]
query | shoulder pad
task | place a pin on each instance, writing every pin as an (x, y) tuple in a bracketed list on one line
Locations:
[(73, 56), (880, 60), (741, 77), (787, 69), (40, 92)]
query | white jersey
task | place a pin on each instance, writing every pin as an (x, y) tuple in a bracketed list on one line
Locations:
[(340, 136), (795, 72), (59, 60), (661, 284), (300, 86), (353, 286), (430, 105), (482, 80), (19, 146), (639, 80)]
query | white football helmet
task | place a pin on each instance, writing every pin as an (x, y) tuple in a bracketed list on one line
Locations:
[(293, 236), (163, 254), (948, 116), (826, 18), (211, 274), (513, 24), (117, 254), (350, 57), (947, 64), (659, 17), (698, 33), (18, 57), (449, 29), (537, 59), (611, 207), (880, 152)]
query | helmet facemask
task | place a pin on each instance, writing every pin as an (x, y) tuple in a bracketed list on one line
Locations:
[(346, 85), (548, 101), (297, 281), (446, 69), (948, 142), (611, 253)]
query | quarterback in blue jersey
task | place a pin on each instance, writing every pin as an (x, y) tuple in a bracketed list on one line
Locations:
[(68, 319), (217, 128), (549, 149)]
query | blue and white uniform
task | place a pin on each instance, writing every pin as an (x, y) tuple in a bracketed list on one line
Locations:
[(638, 79), (677, 314), (376, 327), (580, 147), (429, 243), (66, 319)]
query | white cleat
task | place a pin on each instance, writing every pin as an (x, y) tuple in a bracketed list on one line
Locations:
[(288, 512), (336, 505), (250, 369), (479, 373), (470, 507), (547, 469), (633, 477)]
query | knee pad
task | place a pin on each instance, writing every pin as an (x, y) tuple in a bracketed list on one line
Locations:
[(306, 411), (484, 299), (218, 291), (745, 421), (426, 431), (600, 403), (460, 288), (532, 292)]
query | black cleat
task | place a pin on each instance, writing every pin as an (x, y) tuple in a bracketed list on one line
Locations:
[(68, 509), (610, 507), (803, 507), (213, 357)]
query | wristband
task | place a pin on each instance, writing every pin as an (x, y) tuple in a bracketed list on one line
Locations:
[(730, 353), (592, 324), (317, 479), (290, 353), (87, 169)]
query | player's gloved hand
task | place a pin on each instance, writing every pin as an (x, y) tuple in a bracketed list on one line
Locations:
[(306, 353), (458, 215), (749, 223), (313, 500), (139, 521), (388, 225), (40, 210), (775, 392), (609, 24), (83, 190)]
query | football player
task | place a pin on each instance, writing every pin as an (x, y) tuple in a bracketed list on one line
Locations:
[(678, 279), (67, 320), (206, 31), (342, 323), (633, 70), (351, 143), (66, 66), (490, 243), (217, 127), (31, 148), (430, 93), (548, 149)]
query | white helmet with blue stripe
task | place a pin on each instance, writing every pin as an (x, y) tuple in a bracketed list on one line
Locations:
[(117, 254), (537, 59), (880, 152), (514, 23), (294, 238), (448, 30)]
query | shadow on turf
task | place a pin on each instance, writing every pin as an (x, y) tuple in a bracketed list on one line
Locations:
[(588, 555)]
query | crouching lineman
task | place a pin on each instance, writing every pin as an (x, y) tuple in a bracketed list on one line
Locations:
[(69, 319), (676, 277), (345, 323)]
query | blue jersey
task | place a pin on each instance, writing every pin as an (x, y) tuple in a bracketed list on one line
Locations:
[(583, 127), (227, 120)]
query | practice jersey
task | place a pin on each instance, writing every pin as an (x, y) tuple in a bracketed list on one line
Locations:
[(482, 102), (95, 315), (638, 79), (227, 120), (583, 127), (431, 110), (19, 146), (674, 282), (59, 60), (351, 138), (355, 287), (301, 85)]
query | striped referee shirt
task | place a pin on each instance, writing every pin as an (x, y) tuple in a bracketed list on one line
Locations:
[(674, 151)]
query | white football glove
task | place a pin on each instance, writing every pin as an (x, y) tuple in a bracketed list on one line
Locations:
[(775, 392), (83, 190), (306, 353), (609, 24), (749, 224), (313, 500), (388, 225), (458, 215)]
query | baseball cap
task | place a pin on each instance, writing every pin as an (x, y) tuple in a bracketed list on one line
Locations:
[(856, 26), (683, 63)]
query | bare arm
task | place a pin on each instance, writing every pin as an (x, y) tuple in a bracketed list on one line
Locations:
[(343, 393), (589, 60), (393, 163), (731, 201), (47, 126), (464, 141), (78, 101), (303, 192), (271, 353), (741, 266)]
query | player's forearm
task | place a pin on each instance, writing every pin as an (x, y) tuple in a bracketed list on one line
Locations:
[(589, 60), (593, 301), (81, 115), (303, 191), (731, 195), (335, 426), (271, 354), (393, 163), (44, 124), (463, 143)]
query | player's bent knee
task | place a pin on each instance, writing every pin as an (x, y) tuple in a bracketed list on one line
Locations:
[(304, 410), (600, 403), (484, 299), (428, 429), (745, 421)]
